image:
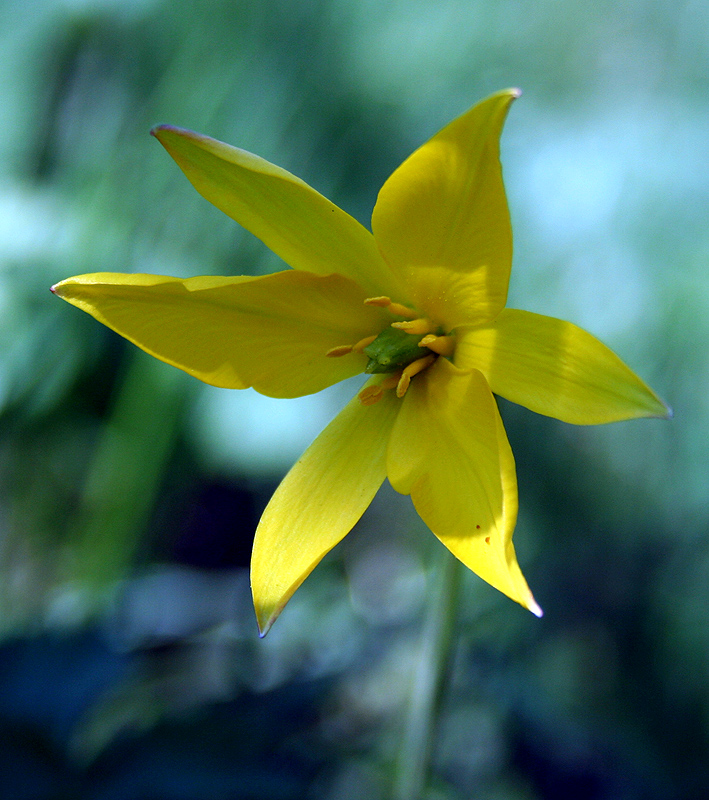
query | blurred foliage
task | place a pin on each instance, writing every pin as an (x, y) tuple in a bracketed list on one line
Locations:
[(129, 494)]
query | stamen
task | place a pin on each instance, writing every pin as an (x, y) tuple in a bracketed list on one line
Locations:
[(370, 395), (394, 308), (373, 394), (382, 301), (401, 310), (362, 343), (391, 381), (443, 345), (336, 352), (413, 369), (417, 326), (344, 349)]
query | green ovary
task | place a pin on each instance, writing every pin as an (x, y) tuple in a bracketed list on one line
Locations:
[(392, 350)]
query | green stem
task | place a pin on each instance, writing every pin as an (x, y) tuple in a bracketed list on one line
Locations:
[(427, 680)]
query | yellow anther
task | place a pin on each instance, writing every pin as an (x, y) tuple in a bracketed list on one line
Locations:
[(413, 369), (373, 394), (401, 310), (416, 326), (404, 382), (362, 343), (443, 345), (391, 380), (336, 352), (394, 308), (370, 395), (344, 349)]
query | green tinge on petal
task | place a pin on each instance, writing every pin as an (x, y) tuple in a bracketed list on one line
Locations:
[(300, 225), (442, 222), (557, 369), (270, 332), (318, 502), (448, 449)]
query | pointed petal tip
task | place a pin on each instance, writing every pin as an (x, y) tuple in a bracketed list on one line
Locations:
[(663, 411), (156, 130), (265, 620), (59, 288), (534, 608), (509, 95)]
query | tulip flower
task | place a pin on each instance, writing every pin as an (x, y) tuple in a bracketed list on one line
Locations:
[(418, 304)]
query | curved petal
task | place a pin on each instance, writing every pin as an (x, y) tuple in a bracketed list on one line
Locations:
[(442, 222), (300, 225), (557, 369), (319, 502), (448, 449), (270, 332)]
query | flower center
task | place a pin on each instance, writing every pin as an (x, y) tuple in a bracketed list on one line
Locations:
[(398, 350), (392, 350)]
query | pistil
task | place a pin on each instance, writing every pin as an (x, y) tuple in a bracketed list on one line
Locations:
[(398, 350)]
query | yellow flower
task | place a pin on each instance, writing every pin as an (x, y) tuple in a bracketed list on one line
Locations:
[(418, 303)]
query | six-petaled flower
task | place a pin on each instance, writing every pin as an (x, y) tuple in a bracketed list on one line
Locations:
[(419, 304)]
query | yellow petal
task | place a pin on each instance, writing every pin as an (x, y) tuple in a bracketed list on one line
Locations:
[(300, 225), (448, 449), (270, 332), (442, 222), (319, 502), (557, 369)]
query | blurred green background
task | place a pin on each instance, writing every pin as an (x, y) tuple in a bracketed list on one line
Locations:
[(129, 661)]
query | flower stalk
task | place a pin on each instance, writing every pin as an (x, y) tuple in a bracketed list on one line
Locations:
[(428, 679)]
